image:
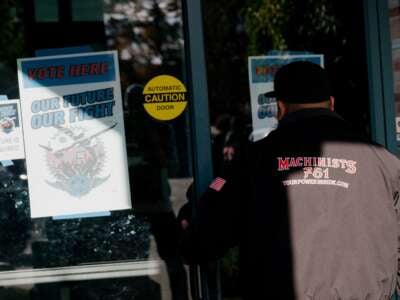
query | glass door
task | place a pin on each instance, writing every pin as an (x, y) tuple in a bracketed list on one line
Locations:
[(238, 30), (394, 21), (126, 254)]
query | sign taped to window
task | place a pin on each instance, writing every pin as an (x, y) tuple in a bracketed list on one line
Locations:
[(262, 71), (74, 134), (11, 139)]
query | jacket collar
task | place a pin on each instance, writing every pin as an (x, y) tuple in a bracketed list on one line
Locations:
[(302, 114)]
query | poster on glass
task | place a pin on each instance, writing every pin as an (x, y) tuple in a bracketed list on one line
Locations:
[(74, 134)]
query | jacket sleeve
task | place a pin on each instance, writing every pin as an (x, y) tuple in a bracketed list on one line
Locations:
[(396, 204), (392, 167), (215, 226), (219, 217)]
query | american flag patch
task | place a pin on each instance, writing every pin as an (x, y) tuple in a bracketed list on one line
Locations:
[(217, 184)]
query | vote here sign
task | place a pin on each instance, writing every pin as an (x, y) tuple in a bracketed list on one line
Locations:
[(74, 134)]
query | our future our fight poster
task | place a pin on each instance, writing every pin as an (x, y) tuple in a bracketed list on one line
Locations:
[(262, 71), (74, 134)]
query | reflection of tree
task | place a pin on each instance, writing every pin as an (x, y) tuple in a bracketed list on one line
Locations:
[(226, 44), (255, 27), (121, 236), (11, 42), (11, 46), (283, 24), (14, 218), (146, 33)]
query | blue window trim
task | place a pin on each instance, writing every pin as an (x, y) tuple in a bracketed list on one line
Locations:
[(197, 79), (380, 73), (204, 286)]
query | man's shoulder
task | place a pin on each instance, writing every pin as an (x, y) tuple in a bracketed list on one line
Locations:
[(275, 141), (270, 139), (385, 156)]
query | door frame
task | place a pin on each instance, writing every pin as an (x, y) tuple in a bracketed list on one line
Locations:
[(380, 73), (200, 132), (380, 88)]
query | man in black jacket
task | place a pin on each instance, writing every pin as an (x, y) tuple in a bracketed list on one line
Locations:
[(315, 214)]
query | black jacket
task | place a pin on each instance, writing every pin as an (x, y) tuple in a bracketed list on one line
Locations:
[(313, 214)]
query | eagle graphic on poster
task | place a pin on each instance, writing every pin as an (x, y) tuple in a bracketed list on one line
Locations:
[(76, 158)]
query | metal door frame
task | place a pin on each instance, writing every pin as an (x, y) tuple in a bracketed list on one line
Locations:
[(200, 127), (380, 73)]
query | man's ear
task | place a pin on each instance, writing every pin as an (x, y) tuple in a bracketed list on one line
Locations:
[(331, 103), (282, 109)]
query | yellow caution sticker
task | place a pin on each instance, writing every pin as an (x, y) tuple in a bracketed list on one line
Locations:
[(165, 97)]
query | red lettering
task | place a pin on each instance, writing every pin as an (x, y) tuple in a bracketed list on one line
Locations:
[(74, 70), (104, 68), (84, 70), (283, 164), (267, 70), (51, 72), (88, 69), (94, 69), (307, 161), (32, 73), (60, 71), (299, 162), (260, 70), (292, 162), (42, 73)]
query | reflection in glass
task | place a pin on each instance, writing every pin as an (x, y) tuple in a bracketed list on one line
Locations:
[(130, 254), (46, 10), (394, 13), (334, 29), (88, 10)]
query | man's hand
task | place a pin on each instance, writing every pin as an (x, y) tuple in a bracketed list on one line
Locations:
[(229, 153), (185, 216), (184, 224)]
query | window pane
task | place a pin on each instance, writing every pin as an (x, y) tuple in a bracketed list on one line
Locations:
[(131, 254), (334, 29), (46, 10), (394, 13), (88, 10)]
